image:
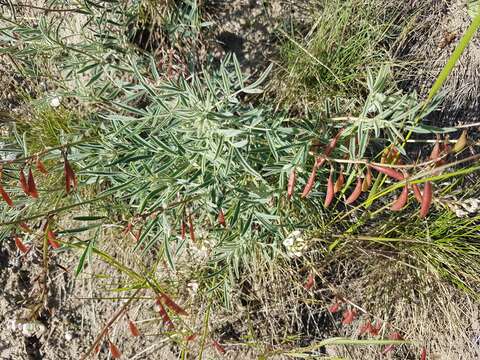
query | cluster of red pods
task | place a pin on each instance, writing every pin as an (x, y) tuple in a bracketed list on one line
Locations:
[(29, 187), (387, 167)]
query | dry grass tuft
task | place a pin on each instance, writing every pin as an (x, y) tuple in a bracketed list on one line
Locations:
[(436, 30)]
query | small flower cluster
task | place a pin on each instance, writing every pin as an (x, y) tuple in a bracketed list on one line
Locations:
[(295, 244)]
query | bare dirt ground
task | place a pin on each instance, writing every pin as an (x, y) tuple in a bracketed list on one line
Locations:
[(76, 309)]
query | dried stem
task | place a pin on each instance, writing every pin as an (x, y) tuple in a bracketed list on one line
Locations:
[(110, 322), (43, 152)]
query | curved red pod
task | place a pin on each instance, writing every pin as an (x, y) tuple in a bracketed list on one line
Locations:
[(32, 187), (333, 143), (23, 182), (330, 191), (52, 239), (401, 201), (114, 350), (218, 347), (348, 316), (426, 199), (6, 197), (183, 229), (417, 193), (388, 171), (340, 182), (356, 192), (435, 155), (20, 245), (41, 167), (310, 281), (177, 309), (165, 318), (221, 218), (132, 327), (311, 180)]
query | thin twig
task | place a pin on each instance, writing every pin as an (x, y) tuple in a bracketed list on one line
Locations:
[(77, 10), (110, 322), (43, 152), (360, 119)]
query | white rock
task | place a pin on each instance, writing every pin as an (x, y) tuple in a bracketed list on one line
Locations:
[(33, 328)]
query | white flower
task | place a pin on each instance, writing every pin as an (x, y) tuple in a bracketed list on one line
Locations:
[(472, 205), (192, 288), (55, 101), (288, 242), (291, 238), (460, 213), (295, 244)]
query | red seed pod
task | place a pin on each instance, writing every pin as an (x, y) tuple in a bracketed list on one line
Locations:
[(114, 350), (310, 281), (435, 155), (70, 177), (375, 330), (367, 180), (426, 199), (221, 218), (32, 187), (334, 307), (52, 239), (417, 193), (330, 191), (423, 355), (67, 174), (218, 347), (291, 183), (40, 166), (365, 328), (348, 316), (356, 192), (388, 171), (20, 245), (340, 181), (401, 201), (333, 143), (191, 337), (5, 197), (392, 336), (132, 327), (190, 227), (311, 180), (138, 234), (127, 229), (171, 304), (183, 229), (23, 182), (392, 155), (25, 227), (165, 318)]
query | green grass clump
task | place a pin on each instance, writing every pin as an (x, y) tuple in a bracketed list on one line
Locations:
[(46, 127), (332, 59)]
